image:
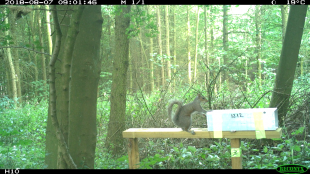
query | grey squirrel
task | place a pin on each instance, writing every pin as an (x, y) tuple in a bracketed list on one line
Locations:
[(182, 117)]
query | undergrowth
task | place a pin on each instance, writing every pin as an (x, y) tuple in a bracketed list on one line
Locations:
[(22, 134)]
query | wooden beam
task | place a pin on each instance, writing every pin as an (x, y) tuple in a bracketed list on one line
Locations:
[(236, 156), (133, 153), (200, 133)]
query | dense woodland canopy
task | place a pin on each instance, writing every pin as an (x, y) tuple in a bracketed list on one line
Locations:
[(72, 78)]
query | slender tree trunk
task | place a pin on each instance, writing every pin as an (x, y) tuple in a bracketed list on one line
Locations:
[(167, 43), (188, 49), (225, 42), (53, 157), (63, 145), (258, 43), (151, 58), (48, 29), (9, 83), (15, 56), (118, 91), (160, 50), (130, 71), (12, 68), (207, 77), (218, 84), (36, 73), (245, 67), (134, 65), (174, 46), (141, 62), (15, 13), (42, 50), (196, 44), (284, 13)]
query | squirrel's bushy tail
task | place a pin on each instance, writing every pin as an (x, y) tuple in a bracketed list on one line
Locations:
[(171, 103)]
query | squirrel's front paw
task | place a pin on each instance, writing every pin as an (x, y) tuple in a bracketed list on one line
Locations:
[(192, 132)]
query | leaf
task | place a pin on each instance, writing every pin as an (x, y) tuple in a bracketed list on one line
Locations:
[(296, 148), (299, 131), (176, 149), (24, 142), (192, 148), (265, 149)]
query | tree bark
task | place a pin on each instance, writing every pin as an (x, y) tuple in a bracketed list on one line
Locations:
[(167, 43), (258, 42), (207, 77), (42, 49), (288, 60), (85, 73), (225, 42), (118, 91), (284, 13), (196, 44), (174, 47), (48, 29), (11, 65), (189, 69), (151, 58), (160, 50), (53, 157), (63, 147)]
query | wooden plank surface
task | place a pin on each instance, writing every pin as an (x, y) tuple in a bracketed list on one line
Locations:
[(236, 162), (133, 153), (200, 133)]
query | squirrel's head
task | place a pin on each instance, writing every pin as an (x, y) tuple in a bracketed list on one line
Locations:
[(202, 98)]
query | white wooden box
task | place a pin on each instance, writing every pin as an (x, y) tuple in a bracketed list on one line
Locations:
[(242, 119)]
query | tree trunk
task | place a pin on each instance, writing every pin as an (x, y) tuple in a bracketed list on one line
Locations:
[(34, 55), (160, 50), (196, 44), (258, 42), (151, 58), (42, 49), (218, 84), (207, 57), (284, 13), (53, 158), (188, 49), (12, 68), (225, 42), (167, 43), (130, 71), (140, 80), (288, 60), (63, 145), (174, 47), (118, 91), (48, 29), (14, 55), (83, 88)]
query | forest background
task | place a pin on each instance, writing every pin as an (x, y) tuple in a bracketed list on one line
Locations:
[(85, 74)]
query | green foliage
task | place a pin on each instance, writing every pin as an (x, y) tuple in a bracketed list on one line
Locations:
[(107, 82), (22, 136), (139, 20), (149, 162), (41, 89), (104, 160), (272, 157)]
